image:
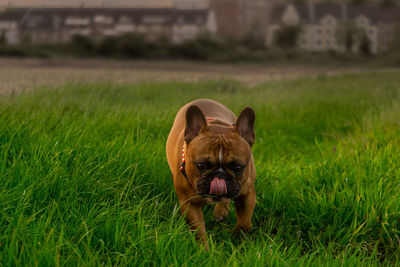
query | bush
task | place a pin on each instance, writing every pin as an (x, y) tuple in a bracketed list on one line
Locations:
[(107, 47), (15, 51), (133, 46), (209, 48), (365, 45), (202, 47), (3, 40), (82, 45), (394, 44), (287, 36), (251, 42), (350, 36)]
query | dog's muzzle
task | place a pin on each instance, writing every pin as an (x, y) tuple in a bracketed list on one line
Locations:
[(218, 184)]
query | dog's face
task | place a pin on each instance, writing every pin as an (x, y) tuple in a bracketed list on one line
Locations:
[(217, 156)]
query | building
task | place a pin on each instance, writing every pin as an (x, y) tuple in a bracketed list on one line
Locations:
[(256, 15), (228, 15), (53, 25), (86, 3), (319, 24), (9, 27)]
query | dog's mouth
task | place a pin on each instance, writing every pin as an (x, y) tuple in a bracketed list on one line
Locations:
[(217, 188)]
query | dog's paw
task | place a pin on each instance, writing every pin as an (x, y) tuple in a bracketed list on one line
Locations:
[(221, 211), (218, 217), (242, 229)]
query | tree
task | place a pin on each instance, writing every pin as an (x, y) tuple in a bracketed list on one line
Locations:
[(348, 35), (358, 2), (388, 3), (394, 44), (364, 45), (287, 36), (82, 45), (3, 40)]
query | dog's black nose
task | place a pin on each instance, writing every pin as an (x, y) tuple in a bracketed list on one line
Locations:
[(221, 174)]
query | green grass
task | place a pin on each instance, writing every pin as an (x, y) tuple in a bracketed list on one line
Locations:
[(84, 179)]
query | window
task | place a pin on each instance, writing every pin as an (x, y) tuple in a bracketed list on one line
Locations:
[(362, 21), (125, 19), (199, 20), (103, 19), (153, 20), (77, 21), (34, 21)]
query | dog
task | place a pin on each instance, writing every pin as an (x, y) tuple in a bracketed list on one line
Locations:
[(210, 157)]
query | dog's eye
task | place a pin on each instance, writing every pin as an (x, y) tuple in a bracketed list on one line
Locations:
[(201, 166), (237, 169)]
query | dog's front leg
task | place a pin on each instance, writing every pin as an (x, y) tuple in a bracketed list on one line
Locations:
[(194, 217), (244, 210)]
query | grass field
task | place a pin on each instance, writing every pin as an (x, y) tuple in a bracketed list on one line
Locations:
[(24, 74), (84, 179)]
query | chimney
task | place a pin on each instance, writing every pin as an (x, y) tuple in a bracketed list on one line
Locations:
[(311, 10), (343, 8)]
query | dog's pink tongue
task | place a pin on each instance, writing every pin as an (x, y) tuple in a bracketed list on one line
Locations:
[(218, 187)]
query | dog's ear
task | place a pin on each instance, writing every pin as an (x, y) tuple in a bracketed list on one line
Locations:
[(245, 125), (195, 123)]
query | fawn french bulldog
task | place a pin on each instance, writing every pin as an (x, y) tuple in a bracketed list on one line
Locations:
[(209, 154)]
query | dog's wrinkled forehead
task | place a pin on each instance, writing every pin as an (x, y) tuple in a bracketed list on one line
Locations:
[(220, 145)]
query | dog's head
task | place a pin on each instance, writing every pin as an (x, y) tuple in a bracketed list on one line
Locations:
[(218, 155)]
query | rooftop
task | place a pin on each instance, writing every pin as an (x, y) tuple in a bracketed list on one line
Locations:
[(375, 14)]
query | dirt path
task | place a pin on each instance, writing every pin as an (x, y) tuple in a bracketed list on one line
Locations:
[(25, 74)]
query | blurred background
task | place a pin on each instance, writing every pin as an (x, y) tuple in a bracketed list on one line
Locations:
[(334, 34), (197, 29)]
